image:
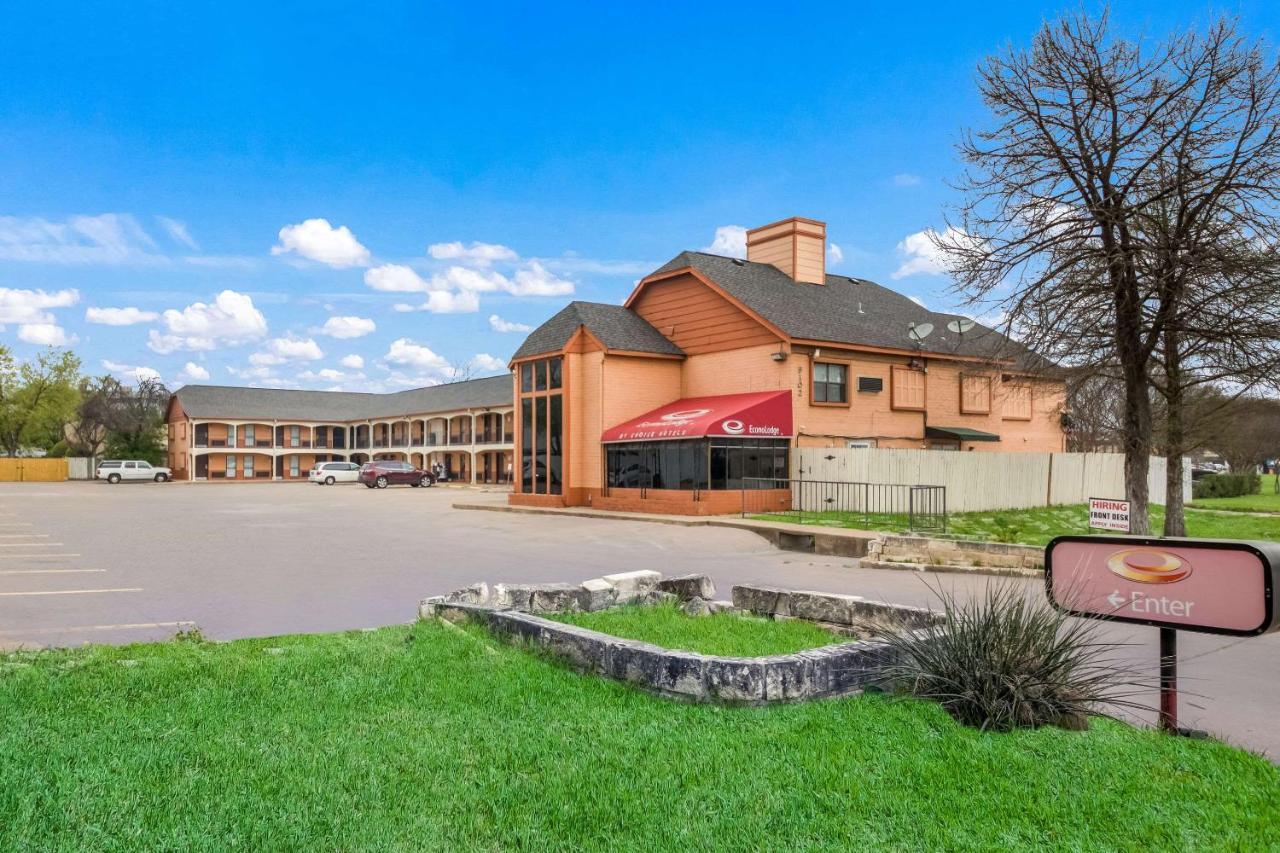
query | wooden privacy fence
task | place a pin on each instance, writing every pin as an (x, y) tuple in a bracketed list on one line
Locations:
[(22, 470), (981, 480)]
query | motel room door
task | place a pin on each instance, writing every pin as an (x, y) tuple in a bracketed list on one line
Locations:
[(202, 466)]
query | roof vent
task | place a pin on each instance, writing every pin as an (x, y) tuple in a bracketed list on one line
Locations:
[(855, 280), (740, 262)]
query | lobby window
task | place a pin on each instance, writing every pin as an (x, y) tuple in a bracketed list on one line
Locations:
[(716, 463), (830, 383), (541, 411)]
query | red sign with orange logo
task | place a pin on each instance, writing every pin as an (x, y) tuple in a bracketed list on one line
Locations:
[(1216, 587)]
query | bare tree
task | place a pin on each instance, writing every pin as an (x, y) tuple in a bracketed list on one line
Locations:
[(1254, 434), (1095, 400), (131, 418), (1118, 179)]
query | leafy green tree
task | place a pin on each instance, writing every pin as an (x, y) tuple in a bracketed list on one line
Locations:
[(37, 398)]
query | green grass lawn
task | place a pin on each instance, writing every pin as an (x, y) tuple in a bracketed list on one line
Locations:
[(1037, 526), (423, 737), (1267, 500), (725, 634)]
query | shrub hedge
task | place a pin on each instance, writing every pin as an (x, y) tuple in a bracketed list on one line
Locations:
[(1226, 486)]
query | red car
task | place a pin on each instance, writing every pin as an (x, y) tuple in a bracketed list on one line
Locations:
[(386, 472)]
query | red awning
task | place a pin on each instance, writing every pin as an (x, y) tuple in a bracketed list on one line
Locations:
[(763, 414)]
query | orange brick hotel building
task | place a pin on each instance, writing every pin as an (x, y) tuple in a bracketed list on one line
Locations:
[(715, 367), (710, 373)]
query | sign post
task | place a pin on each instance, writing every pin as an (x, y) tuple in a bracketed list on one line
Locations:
[(1207, 586), (1169, 680)]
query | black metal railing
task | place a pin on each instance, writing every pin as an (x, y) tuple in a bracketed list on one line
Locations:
[(830, 503)]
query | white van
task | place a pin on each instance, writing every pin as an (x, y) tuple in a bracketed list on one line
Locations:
[(328, 473), (115, 470)]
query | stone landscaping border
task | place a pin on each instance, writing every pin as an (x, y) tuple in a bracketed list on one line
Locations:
[(509, 612), (924, 554)]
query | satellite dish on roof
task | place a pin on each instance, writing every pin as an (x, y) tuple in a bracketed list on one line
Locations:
[(919, 332), (961, 325)]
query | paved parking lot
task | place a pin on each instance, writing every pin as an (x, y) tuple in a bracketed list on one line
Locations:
[(89, 562)]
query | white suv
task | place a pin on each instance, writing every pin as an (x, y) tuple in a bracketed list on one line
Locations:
[(328, 473), (115, 470)]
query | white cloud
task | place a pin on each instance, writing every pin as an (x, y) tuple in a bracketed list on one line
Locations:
[(166, 344), (500, 325), (454, 290), (352, 362), (488, 363), (347, 327), (730, 240), (231, 319), (130, 371), (477, 254), (445, 291), (917, 300), (536, 280), (906, 179), (31, 306), (444, 302), (834, 254), (252, 374), (396, 278), (119, 316), (108, 238), (475, 281), (192, 372), (45, 334), (317, 240), (405, 353), (326, 374), (281, 350), (403, 308), (921, 254), (178, 231)]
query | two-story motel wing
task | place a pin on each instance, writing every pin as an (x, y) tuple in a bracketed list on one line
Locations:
[(231, 433)]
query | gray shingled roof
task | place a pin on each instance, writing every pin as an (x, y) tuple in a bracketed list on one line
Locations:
[(617, 328), (224, 401), (845, 310)]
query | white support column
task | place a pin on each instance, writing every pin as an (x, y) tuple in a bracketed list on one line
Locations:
[(474, 466)]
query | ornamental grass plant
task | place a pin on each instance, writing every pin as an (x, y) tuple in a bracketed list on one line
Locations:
[(1006, 660)]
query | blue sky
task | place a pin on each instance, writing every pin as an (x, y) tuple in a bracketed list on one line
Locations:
[(369, 196)]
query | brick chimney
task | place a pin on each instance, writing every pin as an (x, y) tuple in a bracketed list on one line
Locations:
[(797, 246)]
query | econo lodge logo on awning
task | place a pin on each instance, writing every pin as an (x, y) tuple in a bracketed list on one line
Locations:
[(1147, 565)]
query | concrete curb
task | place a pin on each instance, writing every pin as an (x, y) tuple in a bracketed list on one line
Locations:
[(788, 537), (944, 568)]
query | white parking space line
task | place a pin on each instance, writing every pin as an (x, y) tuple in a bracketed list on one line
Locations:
[(29, 544), (120, 627), (24, 535), (72, 591), (47, 571), (15, 524), (37, 556)]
